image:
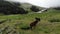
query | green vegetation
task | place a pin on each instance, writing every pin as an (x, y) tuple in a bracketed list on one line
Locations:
[(43, 27)]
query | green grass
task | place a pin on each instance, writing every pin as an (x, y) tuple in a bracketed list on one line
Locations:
[(43, 27)]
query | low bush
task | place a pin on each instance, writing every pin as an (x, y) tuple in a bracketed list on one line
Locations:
[(54, 20)]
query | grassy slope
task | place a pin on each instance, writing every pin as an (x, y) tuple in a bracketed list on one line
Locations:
[(27, 6), (43, 27)]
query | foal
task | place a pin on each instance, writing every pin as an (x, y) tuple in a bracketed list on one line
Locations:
[(34, 23)]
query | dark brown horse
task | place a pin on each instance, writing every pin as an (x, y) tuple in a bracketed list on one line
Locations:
[(34, 23)]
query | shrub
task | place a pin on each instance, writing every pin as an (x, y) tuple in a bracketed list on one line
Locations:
[(57, 8), (54, 20)]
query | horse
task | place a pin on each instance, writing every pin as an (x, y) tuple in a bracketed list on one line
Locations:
[(34, 23)]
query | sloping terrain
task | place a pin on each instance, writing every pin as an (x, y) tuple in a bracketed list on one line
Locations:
[(27, 6), (14, 23)]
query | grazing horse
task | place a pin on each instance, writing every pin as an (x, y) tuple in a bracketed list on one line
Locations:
[(34, 23)]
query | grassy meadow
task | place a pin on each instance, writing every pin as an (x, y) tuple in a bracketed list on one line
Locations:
[(45, 26)]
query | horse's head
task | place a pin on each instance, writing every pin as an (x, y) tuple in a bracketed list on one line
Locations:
[(38, 19)]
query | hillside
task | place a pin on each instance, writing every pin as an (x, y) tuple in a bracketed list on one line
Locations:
[(14, 23), (7, 8), (31, 8), (11, 8), (27, 5)]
